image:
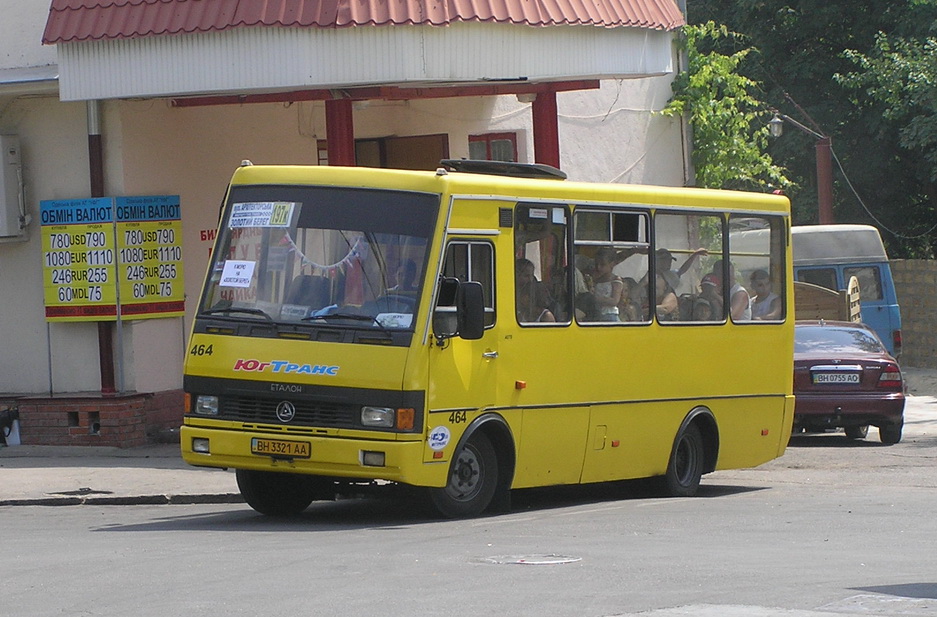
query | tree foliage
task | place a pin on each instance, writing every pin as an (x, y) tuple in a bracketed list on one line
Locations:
[(729, 128), (827, 65), (901, 74)]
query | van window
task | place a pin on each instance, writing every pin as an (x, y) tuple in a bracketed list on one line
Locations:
[(824, 277), (870, 281)]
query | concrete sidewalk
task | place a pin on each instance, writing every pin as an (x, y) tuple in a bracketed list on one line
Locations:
[(75, 475)]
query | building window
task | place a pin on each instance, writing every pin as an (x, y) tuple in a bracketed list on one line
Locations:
[(493, 147)]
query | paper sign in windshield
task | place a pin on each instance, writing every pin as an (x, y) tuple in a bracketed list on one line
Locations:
[(237, 273), (262, 214)]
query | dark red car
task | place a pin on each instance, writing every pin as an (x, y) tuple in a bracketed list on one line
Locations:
[(844, 378)]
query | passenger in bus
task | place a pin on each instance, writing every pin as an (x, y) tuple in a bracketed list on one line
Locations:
[(405, 276), (667, 304), (703, 310), (629, 308), (711, 292), (766, 305), (606, 286), (664, 260), (740, 303), (532, 300)]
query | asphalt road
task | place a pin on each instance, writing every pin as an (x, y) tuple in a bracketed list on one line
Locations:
[(832, 528)]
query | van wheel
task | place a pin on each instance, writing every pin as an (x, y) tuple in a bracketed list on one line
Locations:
[(856, 432), (890, 434), (278, 494), (686, 464), (473, 479)]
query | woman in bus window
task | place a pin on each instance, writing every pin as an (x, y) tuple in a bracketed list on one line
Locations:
[(766, 304), (532, 300), (667, 304), (606, 287)]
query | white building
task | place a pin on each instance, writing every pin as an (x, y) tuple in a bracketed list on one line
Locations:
[(174, 95)]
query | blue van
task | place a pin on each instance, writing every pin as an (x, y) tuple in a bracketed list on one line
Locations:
[(827, 255)]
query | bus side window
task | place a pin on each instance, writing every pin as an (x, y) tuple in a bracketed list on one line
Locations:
[(756, 250), (688, 264), (611, 266), (541, 280), (466, 261)]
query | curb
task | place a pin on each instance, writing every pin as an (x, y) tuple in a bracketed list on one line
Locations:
[(135, 500)]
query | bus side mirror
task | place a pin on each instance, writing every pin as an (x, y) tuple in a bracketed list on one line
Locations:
[(460, 310), (470, 310)]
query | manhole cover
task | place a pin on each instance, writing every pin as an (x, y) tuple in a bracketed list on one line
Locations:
[(531, 560)]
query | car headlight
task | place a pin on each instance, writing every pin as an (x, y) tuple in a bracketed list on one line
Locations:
[(206, 405), (377, 416)]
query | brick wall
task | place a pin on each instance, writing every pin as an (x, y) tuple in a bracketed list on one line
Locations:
[(123, 421), (916, 287)]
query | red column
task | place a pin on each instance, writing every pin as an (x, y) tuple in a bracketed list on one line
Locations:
[(825, 180), (546, 131), (96, 178), (340, 132)]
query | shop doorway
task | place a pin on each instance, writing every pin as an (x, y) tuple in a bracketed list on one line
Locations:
[(422, 152)]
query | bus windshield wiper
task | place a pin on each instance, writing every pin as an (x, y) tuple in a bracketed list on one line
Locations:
[(351, 316), (237, 309)]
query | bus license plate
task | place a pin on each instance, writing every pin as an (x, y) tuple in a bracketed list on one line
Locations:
[(822, 378), (280, 448)]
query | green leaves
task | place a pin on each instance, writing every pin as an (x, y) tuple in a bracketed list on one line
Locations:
[(901, 74), (729, 122)]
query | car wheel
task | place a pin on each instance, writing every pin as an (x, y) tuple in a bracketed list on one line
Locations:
[(857, 432), (277, 494), (685, 468), (890, 434), (473, 479)]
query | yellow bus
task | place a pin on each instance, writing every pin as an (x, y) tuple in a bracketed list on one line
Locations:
[(483, 328)]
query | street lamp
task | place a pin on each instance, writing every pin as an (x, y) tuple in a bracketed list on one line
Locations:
[(824, 149)]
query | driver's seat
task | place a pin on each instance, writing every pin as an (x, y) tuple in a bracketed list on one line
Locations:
[(309, 290)]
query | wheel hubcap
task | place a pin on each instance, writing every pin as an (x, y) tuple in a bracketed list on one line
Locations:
[(686, 461), (466, 476)]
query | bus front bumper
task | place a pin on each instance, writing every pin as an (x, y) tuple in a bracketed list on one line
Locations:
[(343, 458)]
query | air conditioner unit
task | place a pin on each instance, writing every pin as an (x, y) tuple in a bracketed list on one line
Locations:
[(13, 219)]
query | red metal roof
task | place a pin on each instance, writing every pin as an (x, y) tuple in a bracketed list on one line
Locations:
[(79, 20)]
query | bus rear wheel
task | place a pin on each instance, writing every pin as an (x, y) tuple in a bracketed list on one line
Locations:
[(685, 469), (278, 494), (473, 479)]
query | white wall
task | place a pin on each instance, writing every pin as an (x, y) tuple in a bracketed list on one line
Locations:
[(611, 134), (54, 155), (21, 26)]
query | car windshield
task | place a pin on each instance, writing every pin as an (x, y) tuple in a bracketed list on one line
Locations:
[(316, 255), (835, 340)]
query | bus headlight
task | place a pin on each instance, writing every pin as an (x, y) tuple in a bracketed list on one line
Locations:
[(382, 417), (206, 405)]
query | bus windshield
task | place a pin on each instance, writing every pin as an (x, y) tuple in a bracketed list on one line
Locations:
[(344, 257)]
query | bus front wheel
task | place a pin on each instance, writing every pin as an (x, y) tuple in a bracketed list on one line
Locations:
[(473, 479), (277, 494), (685, 468)]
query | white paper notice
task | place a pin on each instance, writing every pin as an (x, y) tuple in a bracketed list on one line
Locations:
[(237, 273)]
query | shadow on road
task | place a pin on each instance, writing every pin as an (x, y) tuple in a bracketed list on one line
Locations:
[(908, 590), (835, 440), (402, 507)]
